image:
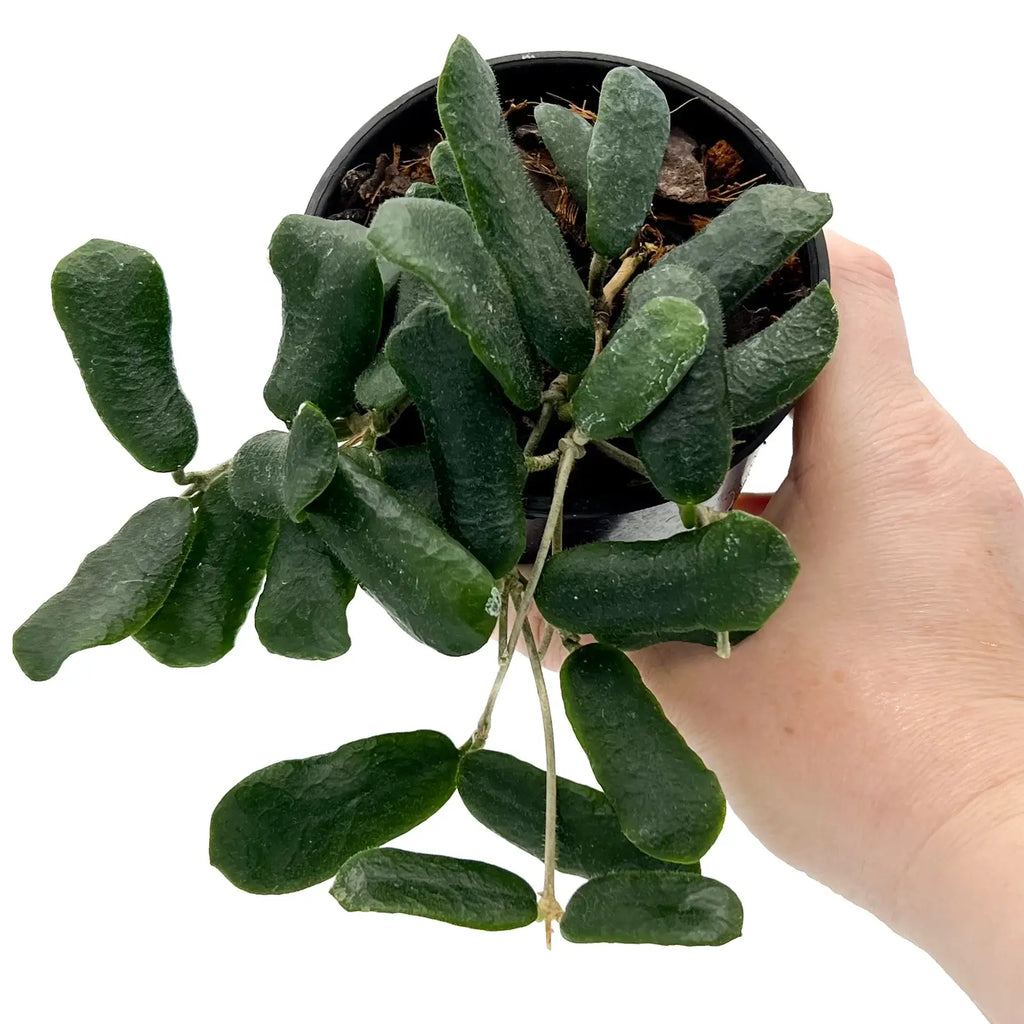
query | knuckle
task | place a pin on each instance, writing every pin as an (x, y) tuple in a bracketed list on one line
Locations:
[(867, 268)]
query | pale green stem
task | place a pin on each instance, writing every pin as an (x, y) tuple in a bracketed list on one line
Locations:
[(621, 457), (595, 283), (546, 412)]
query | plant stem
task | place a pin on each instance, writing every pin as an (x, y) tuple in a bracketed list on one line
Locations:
[(621, 277), (547, 410), (595, 283), (618, 455), (198, 481), (538, 463), (483, 726)]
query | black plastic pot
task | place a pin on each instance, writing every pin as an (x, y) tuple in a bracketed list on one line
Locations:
[(604, 501)]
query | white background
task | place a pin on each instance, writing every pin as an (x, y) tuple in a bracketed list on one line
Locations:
[(191, 129)]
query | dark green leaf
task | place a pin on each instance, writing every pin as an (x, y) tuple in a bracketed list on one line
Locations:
[(408, 471), (332, 303), (668, 804), (776, 366), (567, 137), (257, 472), (114, 592), (463, 892), (751, 239), (646, 358), (664, 908), (428, 582), (516, 228), (627, 148), (446, 175), (412, 292), (379, 387), (471, 438), (219, 580), (508, 796), (301, 612), (294, 823), (730, 575), (437, 242), (111, 302)]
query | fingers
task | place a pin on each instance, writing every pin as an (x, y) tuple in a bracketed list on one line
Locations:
[(754, 504)]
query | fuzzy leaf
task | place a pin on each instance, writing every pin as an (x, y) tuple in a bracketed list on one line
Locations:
[(627, 148), (638, 369), (567, 137), (665, 908), (408, 471), (111, 303), (446, 175), (437, 242), (332, 303), (423, 190), (379, 387), (469, 893), (114, 592), (293, 824), (515, 227)]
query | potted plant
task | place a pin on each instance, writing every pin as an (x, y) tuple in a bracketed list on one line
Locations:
[(430, 364)]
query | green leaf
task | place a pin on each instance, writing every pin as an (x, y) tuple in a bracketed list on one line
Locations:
[(471, 439), (408, 471), (437, 242), (294, 823), (468, 893), (219, 580), (332, 303), (379, 387), (627, 148), (567, 137), (686, 443), (669, 805), (729, 575), (428, 582), (423, 190), (517, 230), (508, 796), (446, 175), (776, 366), (111, 303), (664, 908), (751, 239), (637, 370), (301, 611), (276, 474), (114, 592), (389, 275)]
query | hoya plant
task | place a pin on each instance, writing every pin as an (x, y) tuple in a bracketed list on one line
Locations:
[(460, 312)]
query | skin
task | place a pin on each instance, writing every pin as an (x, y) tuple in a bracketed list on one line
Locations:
[(872, 735)]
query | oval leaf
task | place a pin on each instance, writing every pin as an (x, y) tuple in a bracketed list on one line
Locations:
[(664, 908), (468, 893), (219, 580), (669, 805), (115, 591), (423, 190), (428, 582), (437, 242), (645, 359), (301, 612), (111, 303), (776, 366), (379, 387), (567, 137), (332, 302), (446, 175), (729, 575), (408, 471), (508, 796), (624, 160), (471, 438), (516, 228), (257, 472), (294, 823)]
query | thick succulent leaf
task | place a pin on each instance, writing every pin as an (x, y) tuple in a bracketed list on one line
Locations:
[(379, 387), (437, 242), (668, 804), (332, 301), (686, 443), (294, 823), (427, 581), (729, 575), (638, 369), (567, 137), (776, 366), (408, 471), (111, 303), (469, 893), (627, 148), (751, 239), (114, 592), (389, 275), (423, 190), (198, 622), (276, 474), (508, 796), (412, 292), (471, 439), (301, 611), (446, 175), (664, 908), (516, 228)]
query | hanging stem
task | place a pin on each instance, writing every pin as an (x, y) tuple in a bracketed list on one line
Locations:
[(621, 457), (505, 652), (622, 276), (595, 283)]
